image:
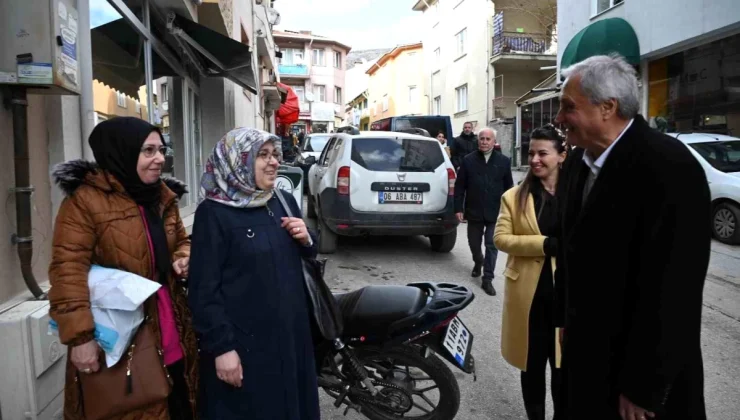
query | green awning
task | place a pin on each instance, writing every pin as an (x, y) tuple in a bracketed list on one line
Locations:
[(601, 38)]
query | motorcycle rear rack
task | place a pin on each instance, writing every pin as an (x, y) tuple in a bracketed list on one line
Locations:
[(443, 299)]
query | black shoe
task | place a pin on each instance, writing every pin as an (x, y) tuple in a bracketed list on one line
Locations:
[(476, 271), (487, 286)]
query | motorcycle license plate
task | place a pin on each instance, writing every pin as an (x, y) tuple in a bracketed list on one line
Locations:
[(458, 341)]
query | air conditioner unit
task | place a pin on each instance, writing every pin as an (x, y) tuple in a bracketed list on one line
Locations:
[(33, 364), (38, 45)]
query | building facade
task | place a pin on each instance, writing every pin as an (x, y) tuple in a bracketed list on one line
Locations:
[(177, 88), (456, 38), (397, 83), (314, 67), (689, 63), (516, 38), (357, 82)]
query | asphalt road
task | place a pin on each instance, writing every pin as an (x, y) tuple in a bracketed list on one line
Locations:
[(496, 394)]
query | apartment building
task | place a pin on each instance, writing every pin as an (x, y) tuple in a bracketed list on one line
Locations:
[(314, 67), (481, 55), (397, 83), (456, 37)]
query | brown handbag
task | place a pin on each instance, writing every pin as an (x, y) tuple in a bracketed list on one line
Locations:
[(139, 379)]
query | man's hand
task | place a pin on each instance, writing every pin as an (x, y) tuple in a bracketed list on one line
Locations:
[(229, 368), (460, 217), (85, 357), (629, 411)]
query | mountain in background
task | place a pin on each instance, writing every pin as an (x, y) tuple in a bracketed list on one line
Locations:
[(359, 56)]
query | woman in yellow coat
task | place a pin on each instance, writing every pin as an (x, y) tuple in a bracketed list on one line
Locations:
[(527, 231)]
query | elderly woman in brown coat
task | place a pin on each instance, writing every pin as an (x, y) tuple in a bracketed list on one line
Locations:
[(120, 214)]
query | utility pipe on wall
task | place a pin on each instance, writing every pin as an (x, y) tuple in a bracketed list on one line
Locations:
[(23, 238)]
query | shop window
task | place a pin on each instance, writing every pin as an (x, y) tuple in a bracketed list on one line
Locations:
[(696, 90)]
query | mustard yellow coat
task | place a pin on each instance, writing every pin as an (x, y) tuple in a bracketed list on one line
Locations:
[(519, 236)]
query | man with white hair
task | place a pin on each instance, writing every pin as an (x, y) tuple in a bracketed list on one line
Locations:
[(633, 254), (483, 177)]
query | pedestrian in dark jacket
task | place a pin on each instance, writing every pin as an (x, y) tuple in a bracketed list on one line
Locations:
[(463, 145), (247, 293), (633, 257), (482, 179)]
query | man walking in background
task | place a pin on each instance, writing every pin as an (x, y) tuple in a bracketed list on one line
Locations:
[(482, 179), (463, 145)]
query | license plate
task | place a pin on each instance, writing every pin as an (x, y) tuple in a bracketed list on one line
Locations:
[(400, 198), (457, 341)]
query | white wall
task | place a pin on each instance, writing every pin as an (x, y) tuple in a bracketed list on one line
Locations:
[(356, 80), (440, 27), (662, 26)]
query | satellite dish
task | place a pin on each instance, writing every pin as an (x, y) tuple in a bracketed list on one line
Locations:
[(309, 96), (273, 16)]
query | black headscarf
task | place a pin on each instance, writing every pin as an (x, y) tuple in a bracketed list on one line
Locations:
[(116, 145)]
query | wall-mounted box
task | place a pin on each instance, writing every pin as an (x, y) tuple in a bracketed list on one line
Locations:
[(38, 45)]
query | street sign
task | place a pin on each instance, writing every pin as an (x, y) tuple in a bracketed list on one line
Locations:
[(290, 180)]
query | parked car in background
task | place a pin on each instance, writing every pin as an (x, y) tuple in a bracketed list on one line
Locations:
[(383, 183), (719, 155), (309, 152), (433, 124)]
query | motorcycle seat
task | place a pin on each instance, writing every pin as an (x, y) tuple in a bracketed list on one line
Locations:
[(372, 309)]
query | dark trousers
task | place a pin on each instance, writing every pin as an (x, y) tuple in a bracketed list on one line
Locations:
[(541, 350), (483, 232), (179, 399)]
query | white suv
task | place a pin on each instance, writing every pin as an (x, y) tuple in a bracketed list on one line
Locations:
[(383, 183), (719, 155)]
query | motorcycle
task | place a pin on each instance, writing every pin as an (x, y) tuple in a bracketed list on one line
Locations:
[(387, 363)]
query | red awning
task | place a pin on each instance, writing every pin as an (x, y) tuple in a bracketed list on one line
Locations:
[(288, 112)]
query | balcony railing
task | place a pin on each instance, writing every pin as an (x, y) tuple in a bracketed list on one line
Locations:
[(293, 70), (518, 42)]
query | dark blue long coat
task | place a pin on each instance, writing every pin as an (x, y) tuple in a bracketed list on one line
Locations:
[(247, 294)]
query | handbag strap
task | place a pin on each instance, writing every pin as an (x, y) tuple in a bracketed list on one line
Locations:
[(280, 197)]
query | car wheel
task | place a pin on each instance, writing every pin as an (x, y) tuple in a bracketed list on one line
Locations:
[(311, 210), (327, 239), (726, 223), (443, 243)]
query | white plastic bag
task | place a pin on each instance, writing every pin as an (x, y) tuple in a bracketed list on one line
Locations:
[(116, 299)]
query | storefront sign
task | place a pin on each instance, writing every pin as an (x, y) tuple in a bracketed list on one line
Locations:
[(322, 111)]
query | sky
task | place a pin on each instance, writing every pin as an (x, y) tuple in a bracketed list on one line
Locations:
[(361, 24), (101, 13)]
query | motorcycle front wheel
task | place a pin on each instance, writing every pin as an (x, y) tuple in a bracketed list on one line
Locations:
[(410, 385)]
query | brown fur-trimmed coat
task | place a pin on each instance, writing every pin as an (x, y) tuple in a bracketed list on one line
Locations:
[(98, 223)]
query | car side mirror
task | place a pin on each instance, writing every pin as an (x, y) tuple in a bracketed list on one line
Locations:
[(310, 160)]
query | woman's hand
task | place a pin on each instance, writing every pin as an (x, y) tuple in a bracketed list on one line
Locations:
[(297, 229), (85, 357), (181, 267), (229, 368)]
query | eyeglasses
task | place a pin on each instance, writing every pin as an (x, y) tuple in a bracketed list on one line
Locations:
[(266, 155), (150, 150)]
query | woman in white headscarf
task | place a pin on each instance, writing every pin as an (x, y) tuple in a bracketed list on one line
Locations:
[(246, 292)]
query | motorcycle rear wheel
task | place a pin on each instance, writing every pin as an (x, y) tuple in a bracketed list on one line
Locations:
[(423, 409)]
